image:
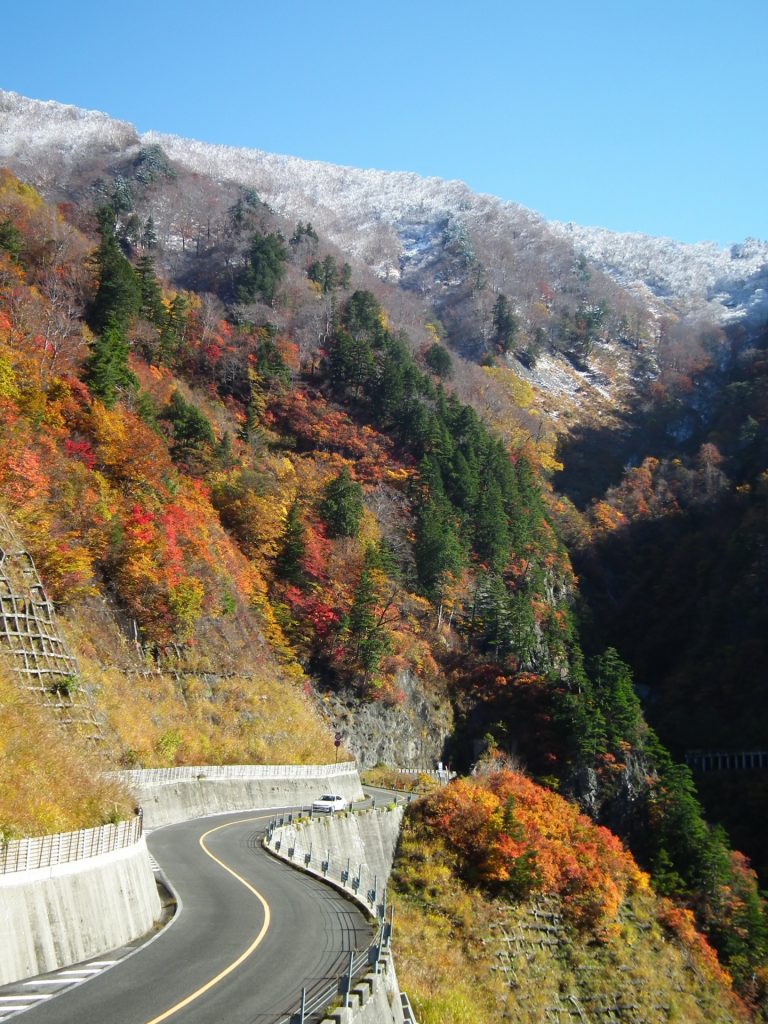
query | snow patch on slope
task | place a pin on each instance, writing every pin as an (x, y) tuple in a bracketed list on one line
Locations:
[(395, 221), (726, 283), (30, 129)]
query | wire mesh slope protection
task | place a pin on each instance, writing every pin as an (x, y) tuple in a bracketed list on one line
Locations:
[(31, 643)]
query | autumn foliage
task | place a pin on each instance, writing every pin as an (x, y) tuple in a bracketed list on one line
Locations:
[(509, 834), (177, 464)]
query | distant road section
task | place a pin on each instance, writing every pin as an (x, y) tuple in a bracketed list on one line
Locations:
[(251, 932)]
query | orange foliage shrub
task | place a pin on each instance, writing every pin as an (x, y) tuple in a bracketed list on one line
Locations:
[(681, 922), (317, 426), (512, 834)]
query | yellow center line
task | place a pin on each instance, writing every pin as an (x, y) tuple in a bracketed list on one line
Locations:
[(243, 956)]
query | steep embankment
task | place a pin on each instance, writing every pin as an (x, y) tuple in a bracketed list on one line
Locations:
[(530, 913)]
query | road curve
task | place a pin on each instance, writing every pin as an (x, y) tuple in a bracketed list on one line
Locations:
[(251, 932)]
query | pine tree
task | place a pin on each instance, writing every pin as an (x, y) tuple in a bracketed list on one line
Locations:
[(342, 506), (362, 314), (437, 550), (288, 564), (492, 540), (149, 235), (106, 369), (192, 433), (118, 295), (366, 626), (325, 273), (350, 363), (464, 482), (264, 269), (491, 618), (151, 303), (11, 240), (438, 359), (504, 323), (616, 697)]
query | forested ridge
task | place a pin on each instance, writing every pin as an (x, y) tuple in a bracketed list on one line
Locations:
[(244, 454)]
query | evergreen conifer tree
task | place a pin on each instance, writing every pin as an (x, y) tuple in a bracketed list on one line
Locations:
[(151, 294), (264, 269), (106, 369), (192, 433), (342, 506), (504, 323), (118, 295), (366, 626), (437, 550), (289, 560)]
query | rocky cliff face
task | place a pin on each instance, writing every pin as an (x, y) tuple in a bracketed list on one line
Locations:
[(410, 735)]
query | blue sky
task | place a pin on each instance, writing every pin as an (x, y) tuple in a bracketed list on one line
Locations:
[(636, 116)]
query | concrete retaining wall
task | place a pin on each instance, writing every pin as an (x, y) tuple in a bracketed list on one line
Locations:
[(171, 802), (375, 999), (355, 853), (53, 917), (366, 838)]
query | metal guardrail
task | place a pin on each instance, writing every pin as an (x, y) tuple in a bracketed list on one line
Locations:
[(727, 760), (164, 776), (283, 839), (68, 847), (408, 1015), (339, 983), (444, 774)]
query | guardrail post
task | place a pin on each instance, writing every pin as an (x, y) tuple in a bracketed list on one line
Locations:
[(348, 996)]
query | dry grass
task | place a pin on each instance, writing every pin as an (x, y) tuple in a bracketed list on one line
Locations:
[(50, 781), (463, 956), (388, 778), (191, 713), (444, 968), (459, 969)]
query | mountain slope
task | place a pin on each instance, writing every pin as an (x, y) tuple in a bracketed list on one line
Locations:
[(724, 284), (399, 214), (268, 461), (585, 336)]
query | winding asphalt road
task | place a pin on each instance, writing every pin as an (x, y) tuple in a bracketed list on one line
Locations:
[(251, 932)]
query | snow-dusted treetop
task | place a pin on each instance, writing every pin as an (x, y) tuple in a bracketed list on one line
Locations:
[(29, 128), (388, 217), (357, 209), (731, 282)]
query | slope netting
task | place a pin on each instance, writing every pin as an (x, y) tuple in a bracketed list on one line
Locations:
[(30, 642)]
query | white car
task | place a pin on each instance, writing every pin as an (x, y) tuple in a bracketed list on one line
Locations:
[(330, 802)]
